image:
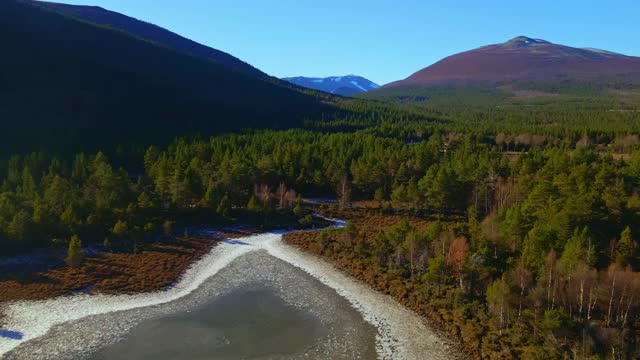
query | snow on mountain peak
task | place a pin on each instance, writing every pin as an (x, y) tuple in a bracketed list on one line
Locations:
[(346, 85)]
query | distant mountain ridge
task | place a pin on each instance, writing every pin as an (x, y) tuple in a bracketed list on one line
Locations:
[(525, 59), (340, 85), (151, 32)]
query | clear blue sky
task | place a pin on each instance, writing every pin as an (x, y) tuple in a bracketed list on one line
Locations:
[(382, 40)]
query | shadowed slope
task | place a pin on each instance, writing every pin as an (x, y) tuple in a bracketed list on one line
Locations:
[(151, 32), (67, 82)]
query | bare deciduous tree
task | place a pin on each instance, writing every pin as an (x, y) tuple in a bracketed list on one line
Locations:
[(344, 192), (498, 294), (611, 285), (551, 277), (262, 192), (582, 289), (523, 278), (280, 194), (584, 142), (626, 142), (500, 139), (290, 199)]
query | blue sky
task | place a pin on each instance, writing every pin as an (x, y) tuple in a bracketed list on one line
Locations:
[(382, 40)]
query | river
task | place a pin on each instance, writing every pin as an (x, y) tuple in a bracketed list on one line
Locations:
[(249, 298)]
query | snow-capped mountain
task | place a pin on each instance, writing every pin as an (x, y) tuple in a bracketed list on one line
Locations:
[(340, 85)]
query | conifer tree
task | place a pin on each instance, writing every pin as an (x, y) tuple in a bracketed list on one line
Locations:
[(299, 209), (625, 248), (253, 205), (74, 255), (224, 206)]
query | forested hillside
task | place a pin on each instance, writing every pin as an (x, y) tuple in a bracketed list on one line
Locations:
[(151, 32), (66, 83)]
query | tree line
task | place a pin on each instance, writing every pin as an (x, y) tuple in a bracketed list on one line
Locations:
[(542, 236)]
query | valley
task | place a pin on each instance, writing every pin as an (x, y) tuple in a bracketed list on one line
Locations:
[(163, 198)]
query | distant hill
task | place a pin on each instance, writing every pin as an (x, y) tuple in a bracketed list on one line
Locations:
[(151, 32), (521, 67), (340, 85), (68, 82), (526, 59)]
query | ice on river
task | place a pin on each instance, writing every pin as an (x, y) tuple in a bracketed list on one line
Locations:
[(82, 324)]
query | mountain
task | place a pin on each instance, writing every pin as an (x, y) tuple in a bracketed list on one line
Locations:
[(525, 59), (150, 32), (521, 70), (340, 85), (66, 82)]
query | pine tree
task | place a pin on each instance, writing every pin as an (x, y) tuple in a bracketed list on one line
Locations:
[(576, 251), (379, 196), (224, 206), (75, 256), (253, 205), (437, 272), (299, 209), (210, 197), (167, 229), (19, 227), (28, 185), (625, 248), (120, 229), (106, 243)]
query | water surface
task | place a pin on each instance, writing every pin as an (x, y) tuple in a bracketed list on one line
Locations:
[(256, 298), (244, 324), (258, 307)]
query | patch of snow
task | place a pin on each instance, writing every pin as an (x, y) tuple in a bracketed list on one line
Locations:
[(358, 85), (600, 51)]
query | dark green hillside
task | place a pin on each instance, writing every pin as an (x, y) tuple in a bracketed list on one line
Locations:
[(446, 96), (605, 95), (144, 30), (66, 82), (524, 107)]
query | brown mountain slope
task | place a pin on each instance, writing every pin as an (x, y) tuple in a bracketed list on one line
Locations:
[(525, 59)]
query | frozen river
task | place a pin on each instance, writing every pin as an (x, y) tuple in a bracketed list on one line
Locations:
[(249, 298)]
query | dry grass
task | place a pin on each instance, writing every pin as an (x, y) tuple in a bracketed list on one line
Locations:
[(375, 221), (621, 156), (155, 268), (158, 266)]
